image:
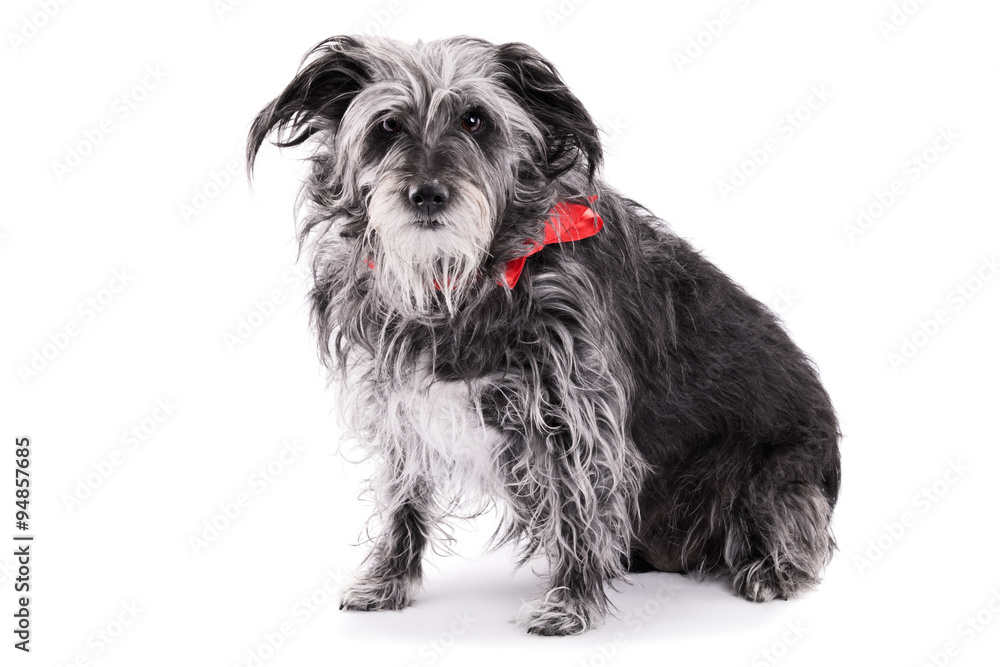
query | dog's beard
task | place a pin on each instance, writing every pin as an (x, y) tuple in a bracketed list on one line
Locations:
[(419, 268)]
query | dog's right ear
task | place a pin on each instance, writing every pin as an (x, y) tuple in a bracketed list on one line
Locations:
[(332, 73)]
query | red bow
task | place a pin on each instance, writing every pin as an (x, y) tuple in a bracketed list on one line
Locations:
[(567, 222)]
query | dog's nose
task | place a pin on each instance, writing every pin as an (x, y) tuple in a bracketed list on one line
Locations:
[(429, 198)]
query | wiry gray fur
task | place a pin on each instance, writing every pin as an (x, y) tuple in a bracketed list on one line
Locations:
[(625, 404)]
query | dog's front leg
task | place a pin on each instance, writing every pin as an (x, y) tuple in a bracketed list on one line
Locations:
[(576, 508), (392, 570), (572, 476)]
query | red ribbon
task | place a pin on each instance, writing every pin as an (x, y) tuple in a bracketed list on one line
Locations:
[(567, 222)]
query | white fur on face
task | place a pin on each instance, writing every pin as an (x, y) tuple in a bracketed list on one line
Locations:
[(413, 264)]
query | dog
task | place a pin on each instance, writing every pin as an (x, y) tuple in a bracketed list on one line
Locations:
[(506, 330)]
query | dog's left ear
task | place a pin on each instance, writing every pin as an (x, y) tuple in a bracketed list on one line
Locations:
[(333, 73), (570, 133)]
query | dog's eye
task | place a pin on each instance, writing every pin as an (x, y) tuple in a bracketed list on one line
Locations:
[(472, 123), (391, 126)]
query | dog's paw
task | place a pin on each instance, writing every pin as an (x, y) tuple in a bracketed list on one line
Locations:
[(765, 580), (376, 595), (558, 613)]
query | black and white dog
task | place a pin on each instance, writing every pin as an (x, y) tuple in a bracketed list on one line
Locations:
[(507, 329)]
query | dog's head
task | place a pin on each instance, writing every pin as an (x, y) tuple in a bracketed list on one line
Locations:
[(432, 161)]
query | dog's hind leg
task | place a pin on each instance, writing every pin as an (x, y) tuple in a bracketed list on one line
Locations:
[(778, 540)]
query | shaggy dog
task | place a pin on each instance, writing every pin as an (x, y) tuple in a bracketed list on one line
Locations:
[(508, 330)]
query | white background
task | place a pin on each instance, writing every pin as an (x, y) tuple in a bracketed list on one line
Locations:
[(911, 568)]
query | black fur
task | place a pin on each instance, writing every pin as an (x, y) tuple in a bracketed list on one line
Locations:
[(317, 99), (570, 133)]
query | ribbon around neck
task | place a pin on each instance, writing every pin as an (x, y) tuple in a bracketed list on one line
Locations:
[(567, 222)]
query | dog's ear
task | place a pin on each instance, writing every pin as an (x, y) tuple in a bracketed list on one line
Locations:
[(568, 129), (332, 73)]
